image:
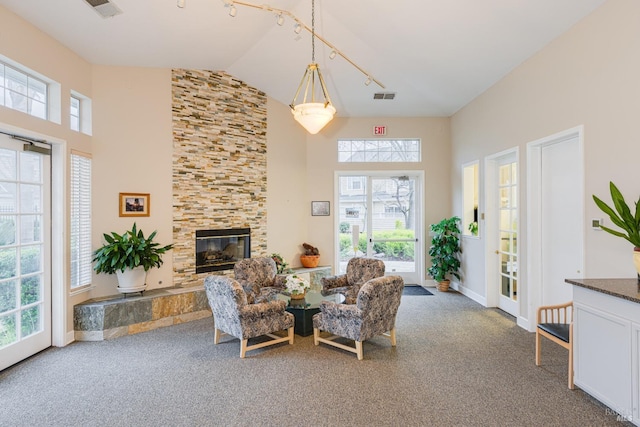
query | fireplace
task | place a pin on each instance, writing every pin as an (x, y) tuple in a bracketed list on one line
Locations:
[(220, 249)]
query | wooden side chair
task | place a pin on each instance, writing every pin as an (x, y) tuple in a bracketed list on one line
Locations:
[(555, 322)]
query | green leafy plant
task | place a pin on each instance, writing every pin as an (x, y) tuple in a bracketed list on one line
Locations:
[(281, 265), (473, 228), (621, 216), (444, 250), (127, 251)]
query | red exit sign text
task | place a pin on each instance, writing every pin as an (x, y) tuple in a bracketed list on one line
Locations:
[(379, 130)]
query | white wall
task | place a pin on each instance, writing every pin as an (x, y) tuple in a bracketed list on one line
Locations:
[(588, 76)]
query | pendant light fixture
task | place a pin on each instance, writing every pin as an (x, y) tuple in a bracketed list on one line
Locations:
[(313, 113)]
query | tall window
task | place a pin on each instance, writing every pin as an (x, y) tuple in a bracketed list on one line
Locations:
[(81, 254), (23, 92), (379, 150), (74, 114)]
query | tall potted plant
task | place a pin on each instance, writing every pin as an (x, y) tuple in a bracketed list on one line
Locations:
[(444, 250), (130, 255), (624, 218)]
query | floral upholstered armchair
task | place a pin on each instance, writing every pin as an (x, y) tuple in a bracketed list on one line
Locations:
[(259, 279), (359, 270), (374, 313), (233, 315)]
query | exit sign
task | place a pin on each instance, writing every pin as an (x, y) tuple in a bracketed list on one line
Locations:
[(379, 130)]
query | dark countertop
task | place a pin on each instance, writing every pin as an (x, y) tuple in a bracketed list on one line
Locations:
[(628, 289)]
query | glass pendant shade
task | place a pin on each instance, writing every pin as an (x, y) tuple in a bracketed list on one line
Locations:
[(313, 116)]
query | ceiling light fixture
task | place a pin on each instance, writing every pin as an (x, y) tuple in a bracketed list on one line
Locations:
[(332, 54), (232, 11), (297, 28), (313, 114), (181, 3), (368, 81), (279, 19)]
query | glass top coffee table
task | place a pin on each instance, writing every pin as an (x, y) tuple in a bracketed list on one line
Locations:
[(304, 309)]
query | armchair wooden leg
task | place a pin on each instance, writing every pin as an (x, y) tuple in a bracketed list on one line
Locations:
[(243, 348), (359, 349), (316, 333), (291, 335), (571, 385), (538, 339), (392, 336)]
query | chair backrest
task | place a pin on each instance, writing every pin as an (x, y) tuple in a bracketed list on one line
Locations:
[(378, 301), (225, 296), (259, 271), (361, 270)]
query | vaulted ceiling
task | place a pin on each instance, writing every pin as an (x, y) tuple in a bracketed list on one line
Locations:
[(434, 55)]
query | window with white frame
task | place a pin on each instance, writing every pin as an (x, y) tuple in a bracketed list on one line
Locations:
[(80, 113), (80, 235), (74, 114), (23, 92), (379, 150)]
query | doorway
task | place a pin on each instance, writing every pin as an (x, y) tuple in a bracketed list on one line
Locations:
[(379, 216), (502, 190), (25, 252), (555, 228)]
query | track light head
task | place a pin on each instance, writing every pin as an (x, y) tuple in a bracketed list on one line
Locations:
[(279, 19), (232, 11), (368, 81), (332, 54), (181, 3), (297, 28)]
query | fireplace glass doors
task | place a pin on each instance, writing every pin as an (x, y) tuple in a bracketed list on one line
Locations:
[(220, 249)]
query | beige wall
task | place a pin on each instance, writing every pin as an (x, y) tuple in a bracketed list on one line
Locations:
[(132, 153), (322, 162), (588, 76)]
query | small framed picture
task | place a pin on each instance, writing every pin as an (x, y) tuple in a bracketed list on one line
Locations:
[(320, 208), (135, 204)]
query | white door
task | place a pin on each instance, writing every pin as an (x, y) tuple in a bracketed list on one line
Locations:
[(385, 212), (507, 191), (561, 220), (25, 267)]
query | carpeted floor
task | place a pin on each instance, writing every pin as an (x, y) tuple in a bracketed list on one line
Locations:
[(456, 363), (415, 290)]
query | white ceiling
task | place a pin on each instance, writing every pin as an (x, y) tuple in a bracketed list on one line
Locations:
[(435, 55)]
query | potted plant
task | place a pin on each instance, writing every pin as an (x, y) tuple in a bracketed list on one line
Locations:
[(130, 255), (310, 257), (296, 286), (445, 246), (622, 217)]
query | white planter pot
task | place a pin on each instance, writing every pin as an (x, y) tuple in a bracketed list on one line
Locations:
[(636, 259), (134, 280)]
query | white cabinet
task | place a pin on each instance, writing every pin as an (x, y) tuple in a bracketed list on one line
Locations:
[(606, 350)]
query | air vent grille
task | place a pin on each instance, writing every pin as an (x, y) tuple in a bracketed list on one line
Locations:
[(104, 8), (383, 95)]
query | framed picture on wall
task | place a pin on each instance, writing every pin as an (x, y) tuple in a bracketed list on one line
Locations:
[(320, 208), (135, 204)]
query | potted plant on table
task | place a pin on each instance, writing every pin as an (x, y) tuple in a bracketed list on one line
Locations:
[(311, 256), (296, 286), (130, 255), (622, 217), (444, 250)]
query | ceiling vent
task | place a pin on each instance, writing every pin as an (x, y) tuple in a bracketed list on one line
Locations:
[(105, 8), (382, 95)]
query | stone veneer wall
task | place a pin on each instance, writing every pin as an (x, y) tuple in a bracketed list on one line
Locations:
[(219, 163)]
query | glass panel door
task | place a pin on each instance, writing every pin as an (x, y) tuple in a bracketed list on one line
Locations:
[(25, 280), (508, 235), (379, 218)]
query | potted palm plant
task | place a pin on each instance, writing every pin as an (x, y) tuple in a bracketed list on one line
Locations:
[(624, 218), (444, 250), (130, 255)]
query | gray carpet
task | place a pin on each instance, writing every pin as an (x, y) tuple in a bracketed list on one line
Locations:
[(456, 363)]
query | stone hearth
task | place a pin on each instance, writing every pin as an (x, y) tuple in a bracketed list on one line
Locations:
[(111, 317)]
